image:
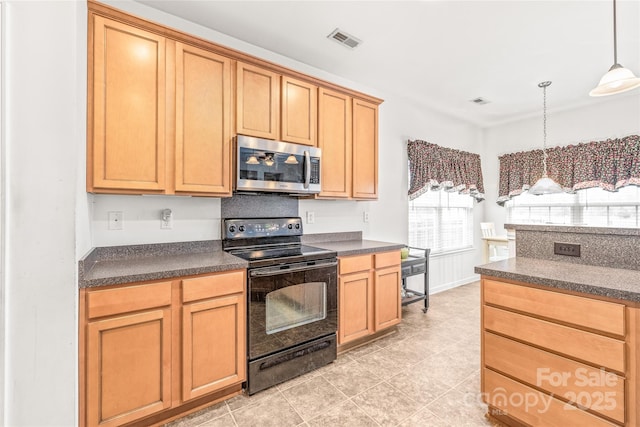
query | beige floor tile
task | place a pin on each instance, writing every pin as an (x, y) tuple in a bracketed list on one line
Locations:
[(424, 390), (224, 421), (386, 404), (346, 414), (380, 364), (424, 418), (201, 416), (351, 378), (313, 397), (460, 409), (271, 411), (246, 400)]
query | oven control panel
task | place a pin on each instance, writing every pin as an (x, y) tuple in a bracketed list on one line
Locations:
[(249, 228)]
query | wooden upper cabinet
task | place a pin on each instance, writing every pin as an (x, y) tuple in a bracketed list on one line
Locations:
[(365, 150), (257, 102), (299, 111), (203, 125), (127, 112), (334, 138)]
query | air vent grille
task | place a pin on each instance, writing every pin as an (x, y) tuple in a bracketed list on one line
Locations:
[(344, 38), (480, 101)]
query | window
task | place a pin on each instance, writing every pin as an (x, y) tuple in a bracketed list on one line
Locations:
[(591, 207), (441, 221)]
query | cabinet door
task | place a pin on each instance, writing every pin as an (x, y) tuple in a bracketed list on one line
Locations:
[(128, 367), (127, 140), (355, 316), (388, 309), (334, 138), (299, 111), (257, 102), (203, 103), (365, 150), (214, 336)]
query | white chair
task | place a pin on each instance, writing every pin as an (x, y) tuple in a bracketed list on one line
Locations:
[(495, 248)]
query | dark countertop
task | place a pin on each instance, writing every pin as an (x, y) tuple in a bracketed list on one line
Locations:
[(617, 283), (112, 272), (104, 266), (358, 247)]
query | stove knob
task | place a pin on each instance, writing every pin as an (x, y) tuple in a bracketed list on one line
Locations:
[(290, 226), (232, 229), (241, 228), (297, 226)]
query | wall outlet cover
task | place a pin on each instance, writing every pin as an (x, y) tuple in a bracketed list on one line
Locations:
[(568, 249)]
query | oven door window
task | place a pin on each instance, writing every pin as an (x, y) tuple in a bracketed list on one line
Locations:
[(294, 306)]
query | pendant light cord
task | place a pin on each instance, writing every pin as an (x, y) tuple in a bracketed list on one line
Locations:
[(544, 85), (615, 37)]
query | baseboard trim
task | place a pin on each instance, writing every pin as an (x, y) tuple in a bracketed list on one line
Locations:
[(451, 285)]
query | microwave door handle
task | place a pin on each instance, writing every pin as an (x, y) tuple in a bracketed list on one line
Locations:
[(307, 169)]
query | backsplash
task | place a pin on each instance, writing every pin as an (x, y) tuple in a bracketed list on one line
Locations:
[(605, 247), (257, 206)]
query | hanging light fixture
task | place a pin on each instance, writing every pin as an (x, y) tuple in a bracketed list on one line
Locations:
[(545, 185), (291, 160), (618, 79), (252, 160), (268, 160)]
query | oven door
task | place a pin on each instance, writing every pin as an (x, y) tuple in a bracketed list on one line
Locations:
[(291, 304)]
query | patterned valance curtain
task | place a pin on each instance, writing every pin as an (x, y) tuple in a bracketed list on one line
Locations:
[(432, 167), (609, 164)]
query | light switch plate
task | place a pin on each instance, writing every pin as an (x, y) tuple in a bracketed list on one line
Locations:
[(311, 217)]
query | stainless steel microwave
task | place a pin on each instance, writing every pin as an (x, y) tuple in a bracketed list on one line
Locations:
[(264, 165)]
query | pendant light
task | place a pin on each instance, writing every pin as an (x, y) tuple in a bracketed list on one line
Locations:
[(545, 185), (252, 160), (618, 79), (268, 160), (291, 160)]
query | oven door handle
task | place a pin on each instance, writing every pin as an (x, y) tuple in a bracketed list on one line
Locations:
[(273, 271)]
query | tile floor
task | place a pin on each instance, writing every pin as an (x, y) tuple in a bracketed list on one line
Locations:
[(426, 374)]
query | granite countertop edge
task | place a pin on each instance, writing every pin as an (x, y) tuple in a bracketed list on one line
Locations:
[(122, 265), (620, 284), (357, 247)]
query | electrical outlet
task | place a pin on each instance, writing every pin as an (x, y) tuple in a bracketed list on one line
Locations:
[(311, 217), (116, 221), (166, 219), (365, 216), (569, 249)]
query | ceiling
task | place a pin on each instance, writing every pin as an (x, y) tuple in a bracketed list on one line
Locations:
[(442, 54)]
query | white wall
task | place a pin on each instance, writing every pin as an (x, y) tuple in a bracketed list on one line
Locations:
[(44, 75), (611, 117)]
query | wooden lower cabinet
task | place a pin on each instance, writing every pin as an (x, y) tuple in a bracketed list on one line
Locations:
[(148, 348), (369, 294), (550, 358), (213, 357)]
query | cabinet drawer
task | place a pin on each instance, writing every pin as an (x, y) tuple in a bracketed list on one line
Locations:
[(353, 264), (231, 282), (586, 346), (533, 407), (593, 388), (418, 269), (131, 298), (387, 259), (593, 314)]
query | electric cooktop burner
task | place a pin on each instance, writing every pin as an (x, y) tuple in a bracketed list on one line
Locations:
[(269, 241)]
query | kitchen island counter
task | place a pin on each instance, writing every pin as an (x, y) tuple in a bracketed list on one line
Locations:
[(616, 283)]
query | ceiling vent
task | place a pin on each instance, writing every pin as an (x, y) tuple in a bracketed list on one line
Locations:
[(344, 39), (480, 101)]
